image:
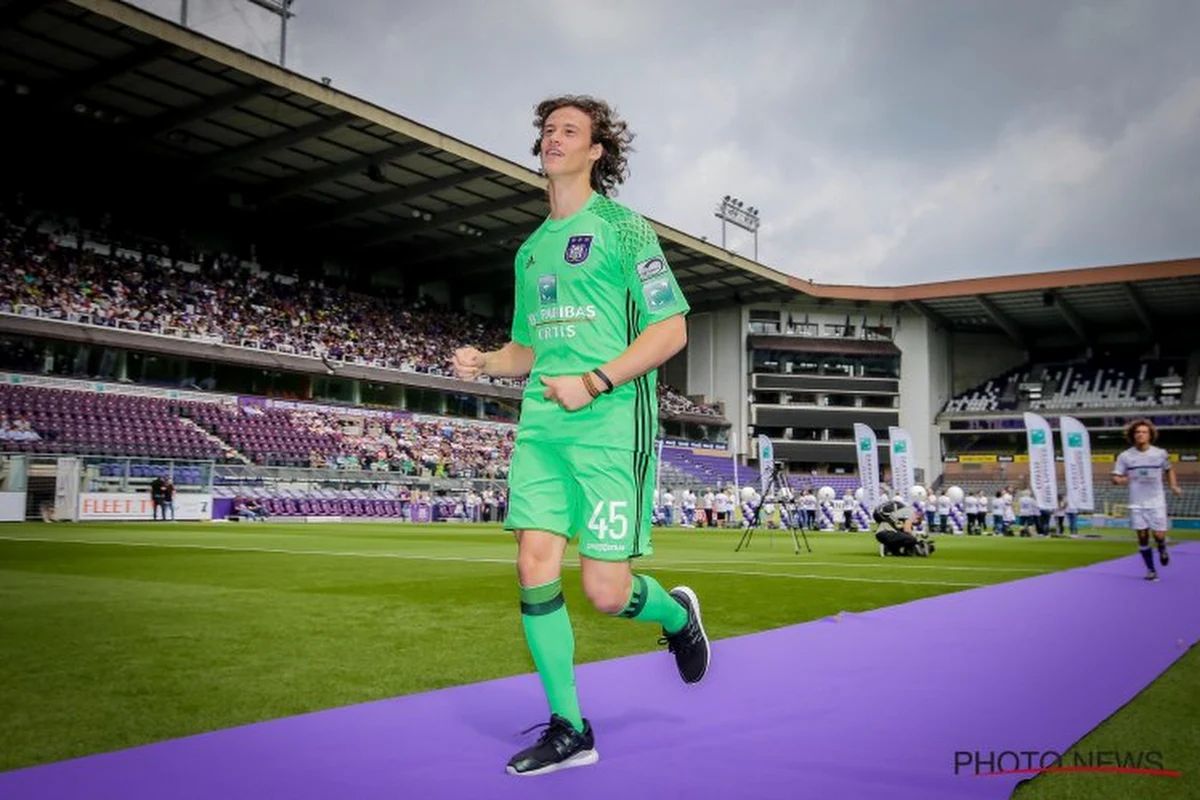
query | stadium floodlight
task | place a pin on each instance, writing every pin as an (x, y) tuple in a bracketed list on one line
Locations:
[(735, 211), (280, 8)]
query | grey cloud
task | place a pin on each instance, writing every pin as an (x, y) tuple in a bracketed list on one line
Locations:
[(885, 142)]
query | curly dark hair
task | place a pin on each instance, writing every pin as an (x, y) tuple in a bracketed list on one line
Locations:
[(608, 130), (1132, 427)]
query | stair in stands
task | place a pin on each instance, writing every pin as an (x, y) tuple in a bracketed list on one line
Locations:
[(229, 450)]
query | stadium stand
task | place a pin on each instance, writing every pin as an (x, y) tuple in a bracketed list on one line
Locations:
[(1071, 387), (56, 270), (995, 394), (44, 420), (64, 421)]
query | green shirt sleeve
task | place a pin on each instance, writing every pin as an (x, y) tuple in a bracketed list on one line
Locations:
[(647, 274), (520, 322)]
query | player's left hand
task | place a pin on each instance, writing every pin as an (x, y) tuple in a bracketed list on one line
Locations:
[(1177, 490), (568, 391)]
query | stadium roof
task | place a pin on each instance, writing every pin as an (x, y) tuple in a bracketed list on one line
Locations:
[(304, 154), (312, 159)]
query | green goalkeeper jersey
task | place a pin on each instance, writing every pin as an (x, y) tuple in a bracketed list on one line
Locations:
[(586, 287)]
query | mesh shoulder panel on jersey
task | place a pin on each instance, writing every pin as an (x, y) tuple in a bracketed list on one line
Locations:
[(633, 231)]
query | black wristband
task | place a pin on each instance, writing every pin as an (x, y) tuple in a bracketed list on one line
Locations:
[(600, 374)]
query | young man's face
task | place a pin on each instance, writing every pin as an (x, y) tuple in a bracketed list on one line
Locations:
[(567, 147), (1141, 436)]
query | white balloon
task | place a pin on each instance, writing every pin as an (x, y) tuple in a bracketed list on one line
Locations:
[(955, 494), (918, 494), (826, 494), (748, 493), (858, 494)]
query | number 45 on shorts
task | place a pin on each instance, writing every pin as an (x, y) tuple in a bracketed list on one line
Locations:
[(609, 520)]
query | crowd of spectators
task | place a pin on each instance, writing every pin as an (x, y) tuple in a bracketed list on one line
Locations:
[(137, 286), (439, 448)]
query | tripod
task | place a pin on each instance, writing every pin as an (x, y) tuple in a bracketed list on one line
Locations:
[(777, 486)]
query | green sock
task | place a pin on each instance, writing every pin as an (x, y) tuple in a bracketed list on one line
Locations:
[(552, 644), (650, 602)]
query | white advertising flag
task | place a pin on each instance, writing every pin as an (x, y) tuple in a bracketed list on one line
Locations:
[(868, 463), (1077, 464), (900, 444), (1042, 478)]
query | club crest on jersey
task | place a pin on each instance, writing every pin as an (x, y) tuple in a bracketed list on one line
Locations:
[(578, 249)]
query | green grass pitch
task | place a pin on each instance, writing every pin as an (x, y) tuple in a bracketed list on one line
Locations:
[(117, 635)]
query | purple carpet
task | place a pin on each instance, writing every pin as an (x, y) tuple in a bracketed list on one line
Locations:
[(874, 705)]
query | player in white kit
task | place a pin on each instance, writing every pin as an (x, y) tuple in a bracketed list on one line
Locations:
[(1141, 468)]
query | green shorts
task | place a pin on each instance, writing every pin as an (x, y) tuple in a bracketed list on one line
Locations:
[(602, 495)]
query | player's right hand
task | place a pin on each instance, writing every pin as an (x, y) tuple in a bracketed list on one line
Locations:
[(468, 363)]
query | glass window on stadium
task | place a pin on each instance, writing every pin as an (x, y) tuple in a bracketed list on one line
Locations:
[(384, 395), (501, 410), (880, 401), (841, 434), (765, 322), (841, 400), (766, 361), (462, 405), (879, 366), (769, 398)]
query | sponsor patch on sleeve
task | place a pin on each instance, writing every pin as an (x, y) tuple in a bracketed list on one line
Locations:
[(649, 268), (658, 294)]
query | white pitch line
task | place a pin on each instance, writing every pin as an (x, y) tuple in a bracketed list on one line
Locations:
[(880, 563), (466, 560)]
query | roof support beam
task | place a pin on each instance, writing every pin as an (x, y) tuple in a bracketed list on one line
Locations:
[(1140, 308), (16, 11), (138, 57), (1070, 315), (316, 177), (939, 322), (1006, 323), (462, 214), (174, 119), (471, 242), (733, 294), (391, 197), (271, 144)]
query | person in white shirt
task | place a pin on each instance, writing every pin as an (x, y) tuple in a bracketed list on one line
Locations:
[(944, 504), (668, 508), (709, 517), (971, 509), (848, 511), (931, 513), (998, 526), (1028, 508), (722, 503), (689, 508), (1142, 468)]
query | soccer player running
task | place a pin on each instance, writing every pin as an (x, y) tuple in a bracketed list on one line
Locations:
[(596, 312), (1141, 467)]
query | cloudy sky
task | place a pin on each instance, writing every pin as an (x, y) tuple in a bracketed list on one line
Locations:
[(886, 142)]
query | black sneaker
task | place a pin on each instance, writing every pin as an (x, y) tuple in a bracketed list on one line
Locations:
[(559, 747), (1164, 557), (690, 644), (1152, 576)]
